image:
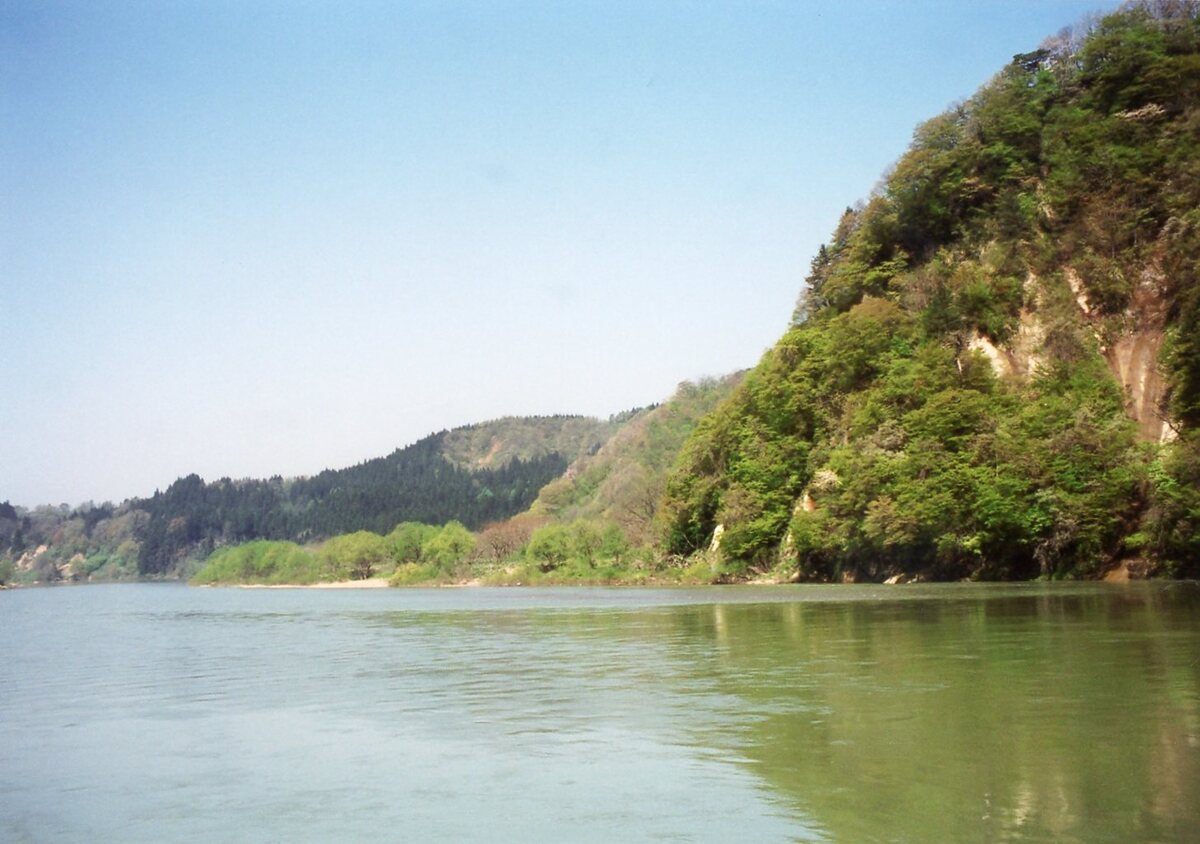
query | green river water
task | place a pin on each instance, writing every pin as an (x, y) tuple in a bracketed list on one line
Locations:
[(948, 713)]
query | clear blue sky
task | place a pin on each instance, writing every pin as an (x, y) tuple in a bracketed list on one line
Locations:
[(250, 238)]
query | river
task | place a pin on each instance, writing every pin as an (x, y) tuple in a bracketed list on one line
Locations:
[(948, 713)]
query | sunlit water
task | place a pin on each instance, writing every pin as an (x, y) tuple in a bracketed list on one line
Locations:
[(853, 714)]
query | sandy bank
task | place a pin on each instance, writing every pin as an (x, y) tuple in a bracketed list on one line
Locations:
[(370, 583)]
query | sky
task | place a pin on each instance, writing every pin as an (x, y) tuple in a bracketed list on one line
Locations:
[(247, 239)]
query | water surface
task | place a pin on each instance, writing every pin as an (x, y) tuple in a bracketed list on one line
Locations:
[(1065, 713)]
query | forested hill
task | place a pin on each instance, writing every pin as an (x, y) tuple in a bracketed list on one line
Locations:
[(995, 369), (475, 475), (416, 483), (623, 482)]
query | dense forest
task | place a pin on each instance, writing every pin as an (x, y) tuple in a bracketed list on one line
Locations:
[(416, 483), (994, 369), (496, 471)]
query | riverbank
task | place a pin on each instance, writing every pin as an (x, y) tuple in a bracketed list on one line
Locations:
[(369, 583)]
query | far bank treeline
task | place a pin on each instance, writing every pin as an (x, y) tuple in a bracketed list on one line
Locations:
[(596, 523), (476, 474), (525, 550)]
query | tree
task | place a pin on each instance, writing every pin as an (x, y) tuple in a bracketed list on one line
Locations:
[(405, 541), (501, 540), (449, 546), (550, 546), (355, 555)]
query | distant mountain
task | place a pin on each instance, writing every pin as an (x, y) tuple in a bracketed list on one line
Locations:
[(475, 474), (994, 371)]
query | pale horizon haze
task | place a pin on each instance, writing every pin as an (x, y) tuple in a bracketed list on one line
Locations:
[(247, 239)]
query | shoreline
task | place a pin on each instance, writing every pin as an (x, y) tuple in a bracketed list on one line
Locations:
[(369, 583), (1121, 575)]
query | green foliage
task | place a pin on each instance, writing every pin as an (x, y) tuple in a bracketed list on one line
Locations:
[(501, 441), (622, 483), (353, 556), (550, 546), (747, 463), (582, 550), (971, 482), (1184, 358), (614, 545), (414, 574), (261, 562), (448, 547), (872, 440), (1173, 526), (90, 543), (417, 483), (405, 541)]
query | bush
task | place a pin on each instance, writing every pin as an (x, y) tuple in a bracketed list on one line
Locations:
[(412, 574), (262, 561), (405, 541), (448, 547), (550, 546), (353, 556)]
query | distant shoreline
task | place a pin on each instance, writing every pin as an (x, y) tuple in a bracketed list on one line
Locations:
[(369, 583)]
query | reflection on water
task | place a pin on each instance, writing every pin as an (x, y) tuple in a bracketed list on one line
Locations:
[(1045, 717), (950, 713)]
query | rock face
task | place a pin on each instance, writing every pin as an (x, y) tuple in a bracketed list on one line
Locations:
[(1132, 354), (1133, 357), (1001, 361), (1022, 354), (26, 560), (715, 545)]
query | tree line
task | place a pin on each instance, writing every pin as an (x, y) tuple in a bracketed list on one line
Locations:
[(157, 536)]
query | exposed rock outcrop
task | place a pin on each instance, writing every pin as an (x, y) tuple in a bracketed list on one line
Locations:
[(715, 545), (1132, 353), (1133, 357)]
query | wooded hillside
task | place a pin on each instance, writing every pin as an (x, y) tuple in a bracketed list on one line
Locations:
[(994, 370), (479, 474)]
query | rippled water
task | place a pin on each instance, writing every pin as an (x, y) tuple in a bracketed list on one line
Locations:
[(911, 714)]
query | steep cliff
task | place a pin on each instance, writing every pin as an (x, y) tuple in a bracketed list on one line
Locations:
[(993, 370)]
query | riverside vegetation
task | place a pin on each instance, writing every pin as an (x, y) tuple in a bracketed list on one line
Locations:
[(476, 474), (595, 524), (993, 373)]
